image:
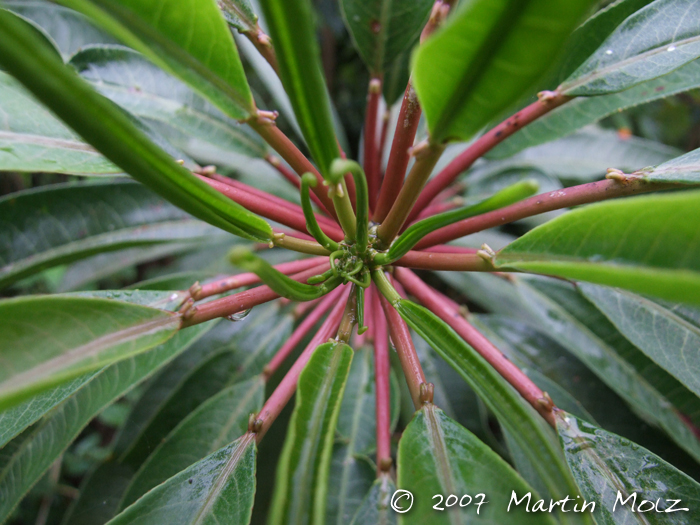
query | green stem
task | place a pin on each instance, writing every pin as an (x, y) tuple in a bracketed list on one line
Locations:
[(298, 245), (343, 208), (349, 319), (338, 168), (309, 180), (385, 287)]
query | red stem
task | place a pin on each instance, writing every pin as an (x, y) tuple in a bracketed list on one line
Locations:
[(405, 134), (284, 391), (401, 337), (246, 279), (282, 214), (269, 131), (294, 179), (382, 139), (241, 301), (445, 309), (307, 324), (546, 103), (451, 262), (564, 198), (383, 391), (371, 156), (273, 199), (448, 248)]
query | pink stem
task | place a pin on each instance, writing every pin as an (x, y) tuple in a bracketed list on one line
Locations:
[(246, 279), (284, 391), (448, 248), (434, 209), (546, 103), (383, 391), (307, 324), (261, 206), (302, 308), (370, 140), (564, 198), (241, 301), (273, 199), (446, 310), (405, 134), (410, 364)]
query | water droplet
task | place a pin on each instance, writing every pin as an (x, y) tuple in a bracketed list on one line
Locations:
[(173, 297), (239, 316), (609, 52), (671, 48)]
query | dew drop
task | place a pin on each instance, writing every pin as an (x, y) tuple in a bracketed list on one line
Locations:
[(609, 52), (671, 48), (173, 297), (239, 316)]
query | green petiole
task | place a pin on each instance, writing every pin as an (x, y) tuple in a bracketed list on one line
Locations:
[(308, 180), (339, 167)]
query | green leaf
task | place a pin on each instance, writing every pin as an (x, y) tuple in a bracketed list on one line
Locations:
[(293, 31), (302, 474), (488, 53), (19, 417), (382, 30), (586, 333), (527, 426), (32, 139), (51, 339), (375, 508), (352, 474), (187, 120), (22, 466), (114, 133), (608, 467), (684, 170), (642, 244), (219, 421), (666, 338), (59, 224), (193, 44), (239, 14), (438, 456), (218, 489), (592, 33), (580, 112), (229, 353), (657, 39)]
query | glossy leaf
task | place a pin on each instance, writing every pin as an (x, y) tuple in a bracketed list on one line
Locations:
[(585, 332), (684, 170), (302, 474), (218, 489), (643, 244), (114, 134), (655, 40), (32, 139), (44, 442), (229, 353), (219, 421), (193, 44), (48, 340), (59, 224), (68, 29), (375, 507), (179, 114), (19, 417), (352, 473), (383, 29), (666, 338), (486, 55), (292, 30), (438, 456), (609, 469), (239, 14), (580, 112), (521, 420)]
